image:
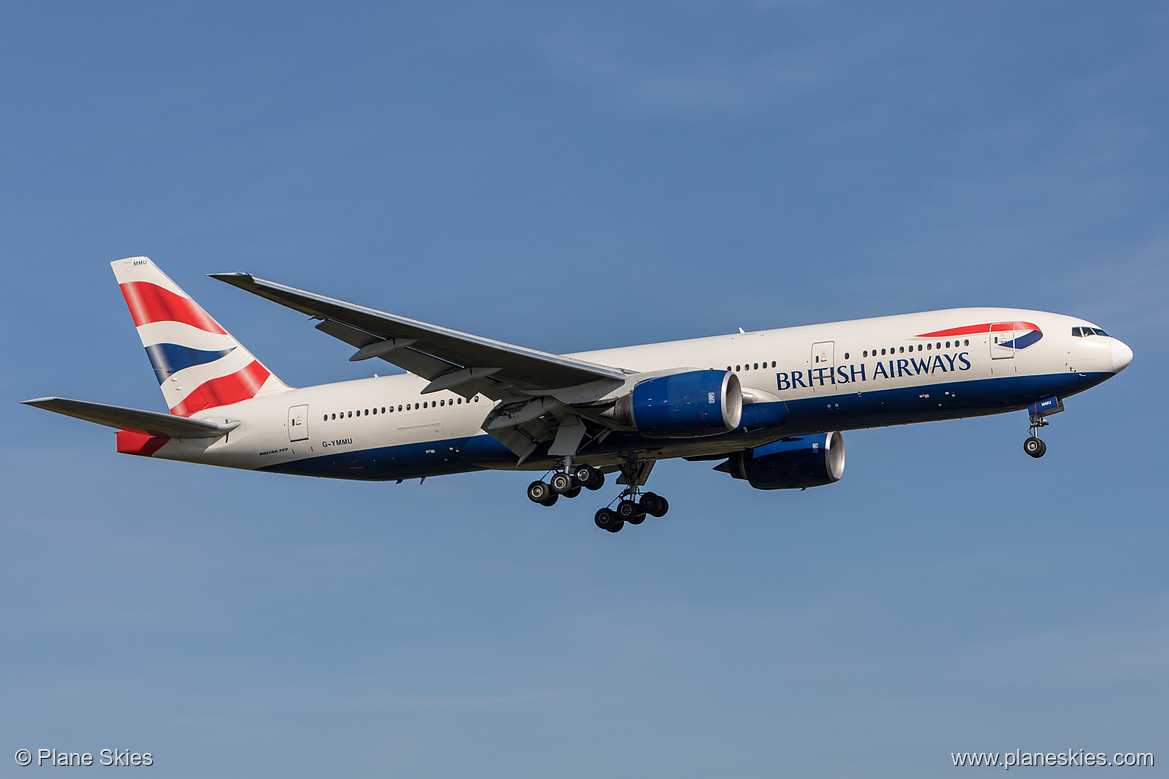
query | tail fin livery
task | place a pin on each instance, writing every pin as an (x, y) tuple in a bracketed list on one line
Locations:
[(198, 364)]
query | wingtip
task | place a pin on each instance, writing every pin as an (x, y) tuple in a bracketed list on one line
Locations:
[(236, 279)]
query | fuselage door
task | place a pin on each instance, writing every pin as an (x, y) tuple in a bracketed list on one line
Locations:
[(822, 366), (1002, 333), (297, 423)]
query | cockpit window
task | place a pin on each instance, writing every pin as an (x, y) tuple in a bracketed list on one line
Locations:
[(1098, 331), (1079, 332), (1076, 332)]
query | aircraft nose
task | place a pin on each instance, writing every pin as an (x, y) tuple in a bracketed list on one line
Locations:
[(1121, 355)]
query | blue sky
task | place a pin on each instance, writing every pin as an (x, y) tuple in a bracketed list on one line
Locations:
[(571, 177)]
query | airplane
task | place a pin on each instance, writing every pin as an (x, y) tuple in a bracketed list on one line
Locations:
[(768, 406)]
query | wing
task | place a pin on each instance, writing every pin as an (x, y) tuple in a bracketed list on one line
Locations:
[(530, 385), (121, 418), (462, 363)]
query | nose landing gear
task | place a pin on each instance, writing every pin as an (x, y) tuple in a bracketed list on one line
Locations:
[(1038, 416)]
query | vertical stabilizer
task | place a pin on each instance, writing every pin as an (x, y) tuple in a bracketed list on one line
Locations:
[(198, 364)]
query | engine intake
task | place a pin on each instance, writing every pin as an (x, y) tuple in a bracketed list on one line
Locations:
[(790, 463), (683, 405)]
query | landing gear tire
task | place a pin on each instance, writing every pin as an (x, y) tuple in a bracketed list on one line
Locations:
[(588, 477), (654, 505), (539, 492), (573, 492), (551, 499), (1034, 447), (630, 512), (561, 483), (607, 519)]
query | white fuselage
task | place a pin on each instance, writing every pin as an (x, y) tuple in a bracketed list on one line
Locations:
[(826, 377)]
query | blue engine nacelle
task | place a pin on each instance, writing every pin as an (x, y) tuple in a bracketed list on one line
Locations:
[(790, 463), (683, 405)]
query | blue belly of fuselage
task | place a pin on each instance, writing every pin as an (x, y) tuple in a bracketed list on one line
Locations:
[(762, 422)]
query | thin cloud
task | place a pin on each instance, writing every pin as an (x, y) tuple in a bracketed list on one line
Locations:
[(669, 72)]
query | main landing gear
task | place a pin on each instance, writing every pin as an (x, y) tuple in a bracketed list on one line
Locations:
[(567, 483), (632, 510), (632, 505)]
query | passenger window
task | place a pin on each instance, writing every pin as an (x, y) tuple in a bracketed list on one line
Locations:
[(846, 355), (737, 369), (928, 346), (902, 350), (773, 363), (967, 342), (384, 409), (756, 366)]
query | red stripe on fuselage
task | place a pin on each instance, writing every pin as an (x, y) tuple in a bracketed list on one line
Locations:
[(151, 303), (241, 385), (983, 328)]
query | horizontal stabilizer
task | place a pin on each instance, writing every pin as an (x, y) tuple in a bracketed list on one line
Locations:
[(118, 417)]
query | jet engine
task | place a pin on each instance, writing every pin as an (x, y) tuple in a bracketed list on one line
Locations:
[(790, 463), (683, 405)]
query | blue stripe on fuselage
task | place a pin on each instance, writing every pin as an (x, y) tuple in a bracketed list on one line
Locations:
[(1023, 341)]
